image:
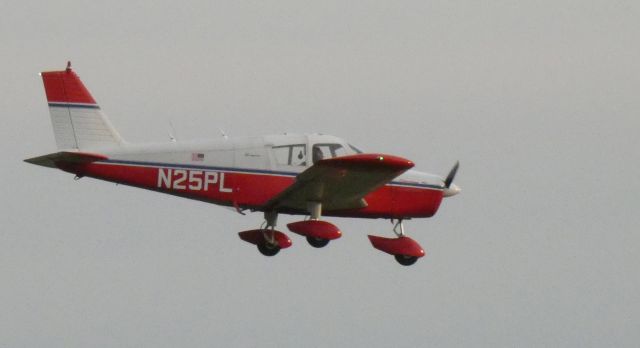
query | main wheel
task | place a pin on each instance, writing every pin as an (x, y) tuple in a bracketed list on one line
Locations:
[(268, 249), (317, 242), (406, 260)]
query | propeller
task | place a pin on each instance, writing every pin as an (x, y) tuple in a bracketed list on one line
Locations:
[(452, 175), (450, 189)]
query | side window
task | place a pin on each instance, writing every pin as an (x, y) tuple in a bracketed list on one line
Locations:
[(298, 155), (290, 155), (281, 155)]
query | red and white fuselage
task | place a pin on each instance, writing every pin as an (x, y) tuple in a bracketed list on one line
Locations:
[(245, 172)]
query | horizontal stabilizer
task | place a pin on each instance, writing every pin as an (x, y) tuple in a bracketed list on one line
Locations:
[(66, 157)]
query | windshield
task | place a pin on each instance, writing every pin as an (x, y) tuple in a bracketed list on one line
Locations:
[(357, 150), (323, 151)]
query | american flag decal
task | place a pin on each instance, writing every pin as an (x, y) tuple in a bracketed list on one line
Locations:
[(197, 156)]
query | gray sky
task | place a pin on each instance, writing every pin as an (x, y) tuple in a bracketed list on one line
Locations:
[(537, 99)]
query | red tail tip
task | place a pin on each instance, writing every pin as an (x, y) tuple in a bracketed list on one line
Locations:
[(65, 87)]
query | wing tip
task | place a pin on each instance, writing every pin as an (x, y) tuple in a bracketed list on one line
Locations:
[(375, 160)]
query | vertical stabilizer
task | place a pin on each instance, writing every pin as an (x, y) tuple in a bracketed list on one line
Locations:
[(78, 122)]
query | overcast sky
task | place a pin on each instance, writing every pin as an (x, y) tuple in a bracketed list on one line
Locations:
[(537, 99)]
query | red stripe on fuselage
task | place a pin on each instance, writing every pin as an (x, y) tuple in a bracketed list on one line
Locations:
[(253, 190)]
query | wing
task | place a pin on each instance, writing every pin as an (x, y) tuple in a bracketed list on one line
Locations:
[(341, 182)]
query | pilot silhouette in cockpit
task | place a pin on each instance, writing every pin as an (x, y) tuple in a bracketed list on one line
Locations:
[(317, 154)]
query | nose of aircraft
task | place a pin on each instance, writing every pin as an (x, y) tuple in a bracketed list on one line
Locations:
[(452, 190)]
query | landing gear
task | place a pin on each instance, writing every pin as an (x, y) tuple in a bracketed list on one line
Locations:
[(268, 240), (318, 232), (404, 249), (398, 227), (269, 246), (406, 260), (317, 242), (268, 249)]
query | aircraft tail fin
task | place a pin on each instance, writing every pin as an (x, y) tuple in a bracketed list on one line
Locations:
[(78, 122)]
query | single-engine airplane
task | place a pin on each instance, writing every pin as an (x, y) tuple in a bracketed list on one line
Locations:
[(313, 175)]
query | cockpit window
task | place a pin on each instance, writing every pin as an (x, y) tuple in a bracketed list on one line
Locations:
[(290, 155), (323, 151), (357, 150)]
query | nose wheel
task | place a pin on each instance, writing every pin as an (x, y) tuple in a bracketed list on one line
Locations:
[(405, 260), (404, 249)]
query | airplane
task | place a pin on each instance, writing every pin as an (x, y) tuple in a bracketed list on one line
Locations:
[(313, 175)]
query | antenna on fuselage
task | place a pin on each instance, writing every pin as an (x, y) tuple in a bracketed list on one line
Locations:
[(224, 135), (172, 133)]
